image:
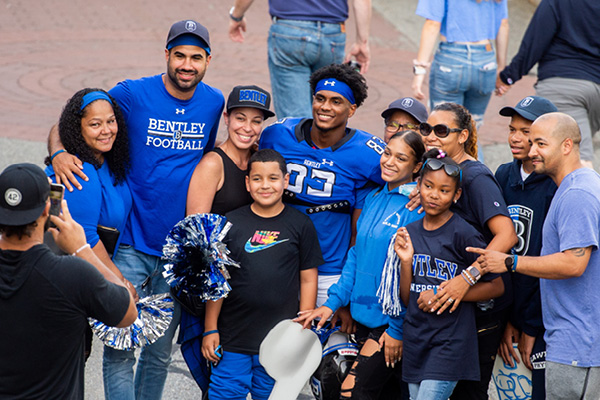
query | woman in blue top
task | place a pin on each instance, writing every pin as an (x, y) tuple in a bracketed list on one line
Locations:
[(383, 213), (92, 126)]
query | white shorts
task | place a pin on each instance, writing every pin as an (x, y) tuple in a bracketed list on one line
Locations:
[(325, 281)]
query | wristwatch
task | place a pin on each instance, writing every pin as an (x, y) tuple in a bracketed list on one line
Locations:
[(419, 70), (236, 19), (509, 262), (474, 272)]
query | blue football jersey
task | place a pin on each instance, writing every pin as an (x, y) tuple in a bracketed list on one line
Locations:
[(327, 177)]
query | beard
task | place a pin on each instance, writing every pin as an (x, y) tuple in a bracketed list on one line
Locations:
[(185, 86)]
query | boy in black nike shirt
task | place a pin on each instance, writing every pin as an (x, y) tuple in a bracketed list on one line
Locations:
[(278, 251)]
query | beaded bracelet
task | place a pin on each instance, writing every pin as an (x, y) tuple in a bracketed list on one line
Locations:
[(467, 278), (85, 246)]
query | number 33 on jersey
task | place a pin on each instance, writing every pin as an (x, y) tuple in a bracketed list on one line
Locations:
[(323, 176)]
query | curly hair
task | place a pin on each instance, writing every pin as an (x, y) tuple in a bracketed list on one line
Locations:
[(19, 231), (69, 129), (344, 73), (464, 120)]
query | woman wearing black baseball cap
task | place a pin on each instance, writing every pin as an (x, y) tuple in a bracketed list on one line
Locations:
[(218, 183)]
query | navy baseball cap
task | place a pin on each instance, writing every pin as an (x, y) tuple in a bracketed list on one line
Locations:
[(250, 96), (188, 32), (530, 108), (24, 190), (408, 105)]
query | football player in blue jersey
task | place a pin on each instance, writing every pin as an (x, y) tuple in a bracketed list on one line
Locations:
[(328, 163)]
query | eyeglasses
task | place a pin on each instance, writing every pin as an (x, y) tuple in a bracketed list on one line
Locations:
[(393, 126), (451, 170), (440, 130)]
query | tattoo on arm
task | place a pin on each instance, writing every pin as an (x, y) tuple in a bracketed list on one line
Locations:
[(578, 252)]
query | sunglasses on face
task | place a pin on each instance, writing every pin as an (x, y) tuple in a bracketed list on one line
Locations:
[(440, 130), (451, 170), (393, 126)]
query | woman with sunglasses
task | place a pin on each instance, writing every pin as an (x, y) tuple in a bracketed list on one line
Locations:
[(451, 128), (384, 211), (439, 349)]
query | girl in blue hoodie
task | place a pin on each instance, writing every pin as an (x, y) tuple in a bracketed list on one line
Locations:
[(384, 211)]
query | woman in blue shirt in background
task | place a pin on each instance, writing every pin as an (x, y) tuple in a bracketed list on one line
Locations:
[(465, 66)]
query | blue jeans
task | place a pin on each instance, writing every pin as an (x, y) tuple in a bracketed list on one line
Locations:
[(117, 365), (297, 49), (236, 375), (463, 74), (431, 390)]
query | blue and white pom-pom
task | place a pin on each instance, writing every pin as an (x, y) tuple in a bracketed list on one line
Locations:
[(389, 288), (196, 257), (154, 316)]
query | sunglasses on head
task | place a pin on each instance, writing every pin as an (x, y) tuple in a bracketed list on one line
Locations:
[(393, 126), (451, 170), (440, 130)]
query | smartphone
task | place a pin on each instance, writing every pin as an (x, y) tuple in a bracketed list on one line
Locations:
[(57, 192), (355, 64)]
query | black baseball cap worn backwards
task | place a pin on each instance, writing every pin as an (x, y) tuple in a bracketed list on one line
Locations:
[(250, 96), (530, 108), (24, 190)]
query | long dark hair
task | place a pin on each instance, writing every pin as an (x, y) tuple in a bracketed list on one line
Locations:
[(69, 129), (464, 120)]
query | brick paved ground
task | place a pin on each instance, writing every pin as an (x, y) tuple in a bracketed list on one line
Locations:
[(51, 49)]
